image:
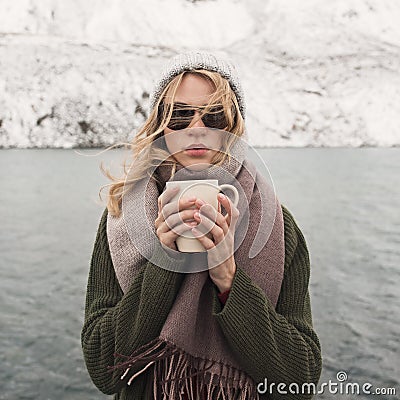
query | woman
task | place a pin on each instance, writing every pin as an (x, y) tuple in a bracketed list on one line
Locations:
[(241, 324)]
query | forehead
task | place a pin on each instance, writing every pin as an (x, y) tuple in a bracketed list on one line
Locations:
[(195, 90)]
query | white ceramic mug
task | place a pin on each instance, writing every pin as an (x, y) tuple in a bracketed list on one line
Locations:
[(206, 190)]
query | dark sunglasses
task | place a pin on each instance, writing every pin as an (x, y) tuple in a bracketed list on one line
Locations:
[(183, 114)]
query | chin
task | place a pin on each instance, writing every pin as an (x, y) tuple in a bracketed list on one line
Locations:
[(194, 165), (199, 166)]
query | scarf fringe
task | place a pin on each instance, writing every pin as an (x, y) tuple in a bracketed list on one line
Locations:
[(176, 372)]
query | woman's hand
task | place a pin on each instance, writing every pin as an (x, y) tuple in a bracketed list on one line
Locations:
[(170, 222), (220, 247)]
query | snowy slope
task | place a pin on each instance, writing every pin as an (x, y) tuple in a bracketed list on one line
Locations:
[(315, 73)]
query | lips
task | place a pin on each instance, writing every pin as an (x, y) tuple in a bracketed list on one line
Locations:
[(197, 146)]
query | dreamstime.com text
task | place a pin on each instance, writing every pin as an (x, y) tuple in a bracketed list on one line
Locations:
[(338, 387)]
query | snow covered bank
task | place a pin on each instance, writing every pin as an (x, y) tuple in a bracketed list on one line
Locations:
[(314, 73)]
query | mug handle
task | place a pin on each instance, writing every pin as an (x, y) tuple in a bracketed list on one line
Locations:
[(234, 190)]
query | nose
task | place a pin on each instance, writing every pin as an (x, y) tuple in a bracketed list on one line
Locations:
[(198, 121)]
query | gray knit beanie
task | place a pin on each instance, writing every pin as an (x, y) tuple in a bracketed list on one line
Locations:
[(196, 60)]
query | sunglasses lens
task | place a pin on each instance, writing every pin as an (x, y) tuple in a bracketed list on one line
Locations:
[(182, 116), (215, 118)]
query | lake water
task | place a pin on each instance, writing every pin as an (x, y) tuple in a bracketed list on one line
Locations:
[(346, 201)]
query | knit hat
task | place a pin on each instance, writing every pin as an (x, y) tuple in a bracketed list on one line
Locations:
[(196, 60)]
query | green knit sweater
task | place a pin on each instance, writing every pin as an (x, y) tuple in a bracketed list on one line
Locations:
[(278, 344)]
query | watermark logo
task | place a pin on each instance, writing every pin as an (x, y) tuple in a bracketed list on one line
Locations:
[(340, 386), (139, 201)]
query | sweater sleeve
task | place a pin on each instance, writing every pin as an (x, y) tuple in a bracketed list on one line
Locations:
[(276, 344), (120, 323)]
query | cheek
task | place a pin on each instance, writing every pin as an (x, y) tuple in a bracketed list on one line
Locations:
[(215, 143), (172, 141)]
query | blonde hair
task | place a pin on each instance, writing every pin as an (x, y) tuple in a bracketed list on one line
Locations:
[(146, 156)]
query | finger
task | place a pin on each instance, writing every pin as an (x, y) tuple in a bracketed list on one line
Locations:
[(178, 218), (225, 202), (203, 239), (166, 196), (177, 206), (209, 211), (207, 225), (180, 229), (232, 212), (168, 237), (158, 221)]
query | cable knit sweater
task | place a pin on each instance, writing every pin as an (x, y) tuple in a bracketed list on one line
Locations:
[(276, 344)]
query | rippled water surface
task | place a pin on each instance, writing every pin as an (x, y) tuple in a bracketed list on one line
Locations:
[(346, 201)]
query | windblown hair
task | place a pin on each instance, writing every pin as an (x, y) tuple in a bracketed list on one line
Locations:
[(147, 154)]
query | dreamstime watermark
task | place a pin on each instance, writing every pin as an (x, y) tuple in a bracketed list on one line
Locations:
[(340, 386)]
